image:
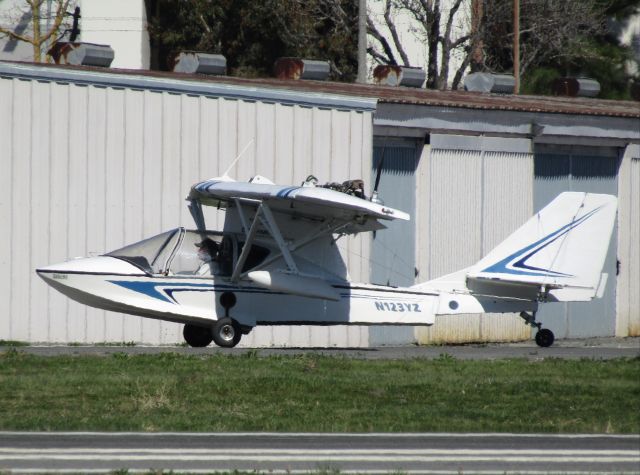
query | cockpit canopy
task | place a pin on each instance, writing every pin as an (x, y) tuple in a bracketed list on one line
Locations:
[(190, 253)]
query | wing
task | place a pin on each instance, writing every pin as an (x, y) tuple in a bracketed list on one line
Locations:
[(306, 201), (324, 211)]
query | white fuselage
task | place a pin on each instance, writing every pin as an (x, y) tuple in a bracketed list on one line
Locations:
[(111, 284)]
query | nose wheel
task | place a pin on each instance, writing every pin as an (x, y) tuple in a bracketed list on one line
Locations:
[(544, 336)]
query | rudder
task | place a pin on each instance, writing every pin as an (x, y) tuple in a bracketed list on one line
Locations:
[(561, 250)]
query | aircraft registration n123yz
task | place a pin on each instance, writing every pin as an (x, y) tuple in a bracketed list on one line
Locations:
[(276, 262)]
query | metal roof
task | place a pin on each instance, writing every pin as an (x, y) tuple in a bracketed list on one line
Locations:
[(185, 84), (465, 99), (318, 93)]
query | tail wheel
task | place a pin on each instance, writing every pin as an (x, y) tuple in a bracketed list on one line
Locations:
[(544, 338), (197, 337), (226, 333)]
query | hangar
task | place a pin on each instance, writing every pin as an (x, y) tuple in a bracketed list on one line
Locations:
[(95, 158)]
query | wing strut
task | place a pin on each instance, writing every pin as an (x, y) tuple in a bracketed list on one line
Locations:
[(250, 236), (243, 217), (317, 234), (195, 208), (264, 216), (272, 226)]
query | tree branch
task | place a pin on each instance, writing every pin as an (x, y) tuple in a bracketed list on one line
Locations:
[(377, 56), (60, 12), (452, 13), (373, 31), (15, 36), (394, 34), (463, 66), (460, 41)]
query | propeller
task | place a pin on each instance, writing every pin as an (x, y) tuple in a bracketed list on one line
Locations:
[(374, 193)]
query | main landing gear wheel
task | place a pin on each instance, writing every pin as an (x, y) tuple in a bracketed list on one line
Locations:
[(226, 333), (197, 337), (544, 338)]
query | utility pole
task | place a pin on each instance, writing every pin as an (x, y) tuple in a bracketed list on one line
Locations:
[(516, 46), (477, 55), (362, 41)]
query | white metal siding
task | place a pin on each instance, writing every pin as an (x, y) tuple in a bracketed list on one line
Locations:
[(628, 282), (507, 205), (393, 250), (470, 200), (87, 169), (592, 169)]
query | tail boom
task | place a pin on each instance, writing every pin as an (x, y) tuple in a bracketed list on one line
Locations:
[(556, 256)]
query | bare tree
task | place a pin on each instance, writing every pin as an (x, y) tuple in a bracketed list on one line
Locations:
[(549, 31), (434, 23), (39, 37)]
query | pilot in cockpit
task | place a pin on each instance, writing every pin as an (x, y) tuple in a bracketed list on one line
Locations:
[(208, 253)]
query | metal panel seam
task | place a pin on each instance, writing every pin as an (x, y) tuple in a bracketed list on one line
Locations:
[(11, 249)]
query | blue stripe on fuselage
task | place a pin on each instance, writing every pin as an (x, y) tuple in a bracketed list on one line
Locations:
[(151, 288)]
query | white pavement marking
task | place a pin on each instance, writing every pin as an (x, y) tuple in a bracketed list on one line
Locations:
[(318, 455), (599, 460), (328, 434), (256, 451), (345, 472), (319, 458)]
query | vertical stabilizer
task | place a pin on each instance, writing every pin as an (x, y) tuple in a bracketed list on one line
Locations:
[(561, 249)]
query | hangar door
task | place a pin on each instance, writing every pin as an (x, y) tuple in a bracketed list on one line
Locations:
[(393, 250), (560, 168)]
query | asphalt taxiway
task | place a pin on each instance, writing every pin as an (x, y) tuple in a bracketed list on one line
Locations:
[(91, 452), (592, 348)]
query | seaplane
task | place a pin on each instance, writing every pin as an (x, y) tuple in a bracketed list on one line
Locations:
[(276, 262)]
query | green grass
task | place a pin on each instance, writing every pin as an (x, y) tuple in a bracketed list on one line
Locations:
[(316, 393), (13, 343)]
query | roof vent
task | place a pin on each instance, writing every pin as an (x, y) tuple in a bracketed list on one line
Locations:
[(390, 75), (487, 82), (193, 62), (296, 68), (573, 87), (81, 54)]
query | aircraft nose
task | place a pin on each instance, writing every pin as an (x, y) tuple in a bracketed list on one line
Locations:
[(105, 265)]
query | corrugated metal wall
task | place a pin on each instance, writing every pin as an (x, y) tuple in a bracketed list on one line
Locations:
[(559, 168), (87, 169), (470, 200), (628, 285), (393, 249)]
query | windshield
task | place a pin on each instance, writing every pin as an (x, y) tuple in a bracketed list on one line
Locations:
[(150, 255), (190, 253), (204, 256)]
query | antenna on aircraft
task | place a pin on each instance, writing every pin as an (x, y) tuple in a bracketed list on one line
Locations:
[(374, 193), (235, 160)]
